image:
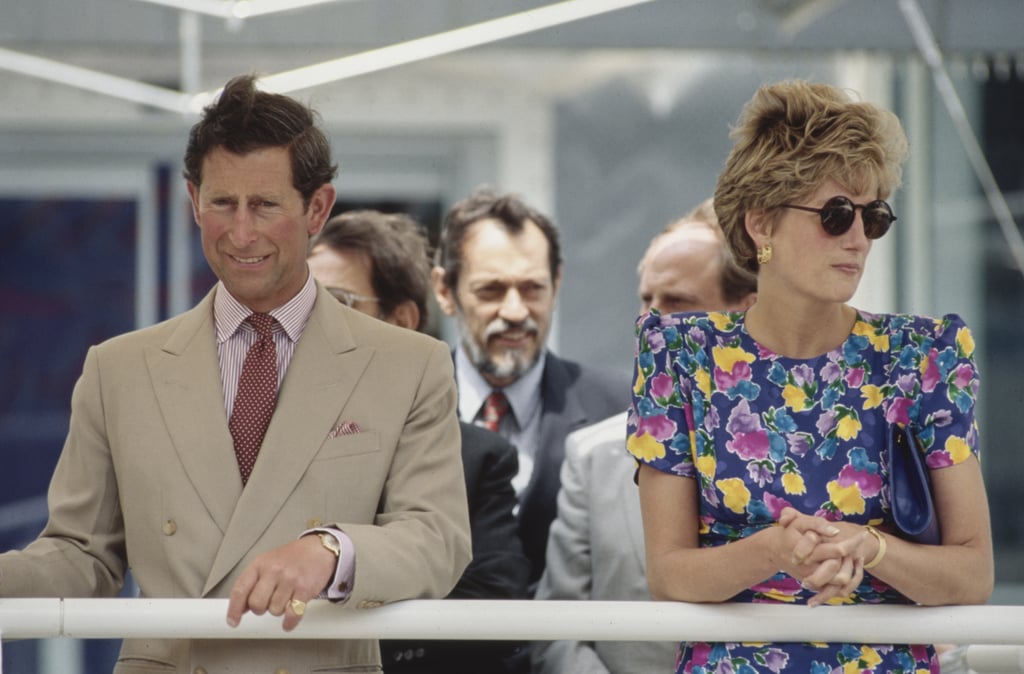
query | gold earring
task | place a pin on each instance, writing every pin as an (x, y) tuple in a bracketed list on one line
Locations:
[(764, 254)]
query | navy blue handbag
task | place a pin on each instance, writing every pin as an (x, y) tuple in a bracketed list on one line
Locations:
[(911, 489)]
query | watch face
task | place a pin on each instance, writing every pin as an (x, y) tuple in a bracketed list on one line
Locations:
[(331, 543)]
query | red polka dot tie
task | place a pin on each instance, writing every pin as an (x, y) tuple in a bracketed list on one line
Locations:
[(257, 393), (495, 409)]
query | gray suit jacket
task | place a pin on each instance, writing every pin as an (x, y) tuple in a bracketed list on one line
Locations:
[(596, 552), (148, 480)]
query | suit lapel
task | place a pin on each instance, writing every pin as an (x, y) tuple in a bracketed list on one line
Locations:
[(186, 380), (561, 413), (322, 375)]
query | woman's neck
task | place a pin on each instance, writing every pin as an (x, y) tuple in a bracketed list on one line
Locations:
[(799, 331)]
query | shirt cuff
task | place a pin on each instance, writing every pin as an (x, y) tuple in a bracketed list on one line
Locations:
[(340, 586)]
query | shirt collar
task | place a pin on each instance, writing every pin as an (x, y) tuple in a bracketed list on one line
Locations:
[(229, 313)]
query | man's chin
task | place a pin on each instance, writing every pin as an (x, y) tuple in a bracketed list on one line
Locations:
[(507, 367)]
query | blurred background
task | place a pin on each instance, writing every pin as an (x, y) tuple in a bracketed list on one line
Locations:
[(610, 115)]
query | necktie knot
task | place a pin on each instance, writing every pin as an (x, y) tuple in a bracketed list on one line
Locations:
[(264, 324), (495, 408)]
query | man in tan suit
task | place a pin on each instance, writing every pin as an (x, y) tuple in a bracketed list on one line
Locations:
[(356, 494)]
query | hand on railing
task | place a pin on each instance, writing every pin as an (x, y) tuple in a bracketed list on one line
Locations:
[(281, 581)]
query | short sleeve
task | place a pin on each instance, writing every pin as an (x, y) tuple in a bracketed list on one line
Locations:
[(939, 353), (659, 428)]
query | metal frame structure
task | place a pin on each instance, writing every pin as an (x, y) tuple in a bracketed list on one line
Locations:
[(190, 101)]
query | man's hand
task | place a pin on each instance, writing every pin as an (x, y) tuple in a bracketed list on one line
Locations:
[(299, 570)]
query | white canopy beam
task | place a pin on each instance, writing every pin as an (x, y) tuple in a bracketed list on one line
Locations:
[(239, 9), (309, 76), (95, 81), (446, 42)]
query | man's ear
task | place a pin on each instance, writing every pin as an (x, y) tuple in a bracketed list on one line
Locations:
[(557, 281), (445, 295), (320, 206), (759, 226), (405, 315), (193, 195)]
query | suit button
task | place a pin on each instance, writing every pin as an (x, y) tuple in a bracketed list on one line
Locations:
[(199, 670), (342, 586), (169, 527), (281, 670), (313, 523)]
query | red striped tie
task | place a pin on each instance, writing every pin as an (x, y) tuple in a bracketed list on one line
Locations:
[(257, 394)]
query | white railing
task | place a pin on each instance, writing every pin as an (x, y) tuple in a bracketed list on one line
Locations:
[(520, 620), (1001, 627)]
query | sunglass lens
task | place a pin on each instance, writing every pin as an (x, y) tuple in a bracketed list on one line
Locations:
[(837, 215), (878, 218)]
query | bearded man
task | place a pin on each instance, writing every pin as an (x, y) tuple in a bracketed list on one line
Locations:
[(499, 267)]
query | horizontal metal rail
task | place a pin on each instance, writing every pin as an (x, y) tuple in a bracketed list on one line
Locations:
[(519, 620)]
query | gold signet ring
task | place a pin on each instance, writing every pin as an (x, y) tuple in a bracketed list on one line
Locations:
[(298, 606)]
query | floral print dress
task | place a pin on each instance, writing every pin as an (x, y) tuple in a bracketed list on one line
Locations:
[(760, 432)]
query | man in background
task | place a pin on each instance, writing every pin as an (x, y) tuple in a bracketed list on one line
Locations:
[(498, 271), (379, 264), (596, 547), (270, 446)]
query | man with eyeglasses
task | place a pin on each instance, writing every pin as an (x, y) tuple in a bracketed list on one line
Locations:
[(364, 259), (378, 264)]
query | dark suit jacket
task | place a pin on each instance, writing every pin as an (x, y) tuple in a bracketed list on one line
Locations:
[(498, 571), (574, 396)]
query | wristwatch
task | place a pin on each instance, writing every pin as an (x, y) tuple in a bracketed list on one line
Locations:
[(330, 542)]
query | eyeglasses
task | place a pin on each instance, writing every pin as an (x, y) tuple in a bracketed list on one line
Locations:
[(838, 213), (347, 297)]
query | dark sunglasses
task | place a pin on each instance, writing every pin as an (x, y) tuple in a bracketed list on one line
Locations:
[(838, 213)]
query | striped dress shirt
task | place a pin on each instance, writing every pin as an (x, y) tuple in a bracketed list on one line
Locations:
[(234, 337)]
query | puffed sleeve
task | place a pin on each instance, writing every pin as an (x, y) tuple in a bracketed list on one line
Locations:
[(661, 415)]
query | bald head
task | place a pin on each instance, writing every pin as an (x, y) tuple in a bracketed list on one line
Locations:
[(682, 271)]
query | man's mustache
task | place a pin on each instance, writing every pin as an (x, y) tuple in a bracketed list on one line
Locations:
[(500, 325)]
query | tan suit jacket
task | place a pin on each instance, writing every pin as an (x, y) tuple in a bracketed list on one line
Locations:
[(148, 477)]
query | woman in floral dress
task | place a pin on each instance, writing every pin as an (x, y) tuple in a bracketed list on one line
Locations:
[(762, 435)]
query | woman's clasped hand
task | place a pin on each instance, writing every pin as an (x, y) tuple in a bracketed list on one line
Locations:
[(826, 557)]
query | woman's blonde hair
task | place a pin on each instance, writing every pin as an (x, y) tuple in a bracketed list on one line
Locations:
[(790, 137)]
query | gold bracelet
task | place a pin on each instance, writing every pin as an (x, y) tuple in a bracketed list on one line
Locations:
[(881, 547)]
